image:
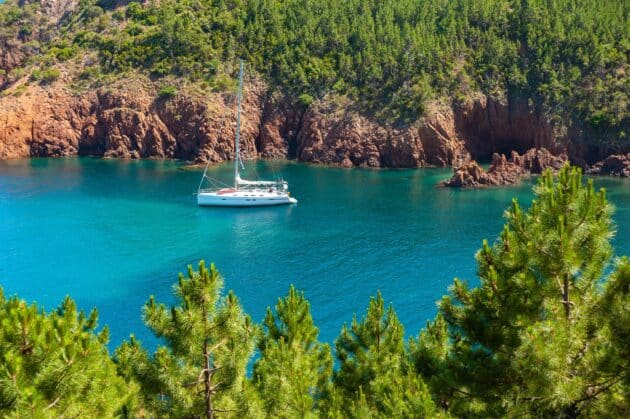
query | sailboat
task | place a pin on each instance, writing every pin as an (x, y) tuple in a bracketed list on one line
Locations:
[(244, 193)]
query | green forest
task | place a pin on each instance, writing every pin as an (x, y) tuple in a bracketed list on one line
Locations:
[(546, 333), (568, 57)]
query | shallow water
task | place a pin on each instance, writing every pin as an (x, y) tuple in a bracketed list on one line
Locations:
[(110, 233)]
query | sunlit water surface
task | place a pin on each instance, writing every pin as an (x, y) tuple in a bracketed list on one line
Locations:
[(110, 233)]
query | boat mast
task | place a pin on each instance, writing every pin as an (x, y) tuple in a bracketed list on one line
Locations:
[(238, 126)]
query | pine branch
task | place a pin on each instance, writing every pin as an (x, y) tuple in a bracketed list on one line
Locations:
[(606, 385), (50, 406)]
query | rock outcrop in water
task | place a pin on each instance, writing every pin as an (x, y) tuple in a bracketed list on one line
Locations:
[(504, 171), (615, 165)]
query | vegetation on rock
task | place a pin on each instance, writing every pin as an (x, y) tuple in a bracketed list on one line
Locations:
[(569, 57)]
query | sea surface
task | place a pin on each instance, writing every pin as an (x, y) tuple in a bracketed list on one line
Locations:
[(110, 233)]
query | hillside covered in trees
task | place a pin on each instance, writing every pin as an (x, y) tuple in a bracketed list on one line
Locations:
[(567, 59), (545, 334)]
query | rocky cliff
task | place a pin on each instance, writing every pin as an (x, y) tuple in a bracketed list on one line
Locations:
[(125, 121), (615, 165), (129, 120), (49, 106)]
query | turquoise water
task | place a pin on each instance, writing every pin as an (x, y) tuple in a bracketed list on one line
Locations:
[(110, 233)]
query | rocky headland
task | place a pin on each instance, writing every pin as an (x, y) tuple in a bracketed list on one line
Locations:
[(129, 117), (130, 120)]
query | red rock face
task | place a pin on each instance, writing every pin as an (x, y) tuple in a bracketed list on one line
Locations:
[(129, 121), (488, 125), (331, 134), (126, 123), (281, 122), (445, 136), (11, 56), (39, 123), (442, 144)]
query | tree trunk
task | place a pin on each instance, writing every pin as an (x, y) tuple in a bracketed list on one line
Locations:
[(565, 296), (207, 381)]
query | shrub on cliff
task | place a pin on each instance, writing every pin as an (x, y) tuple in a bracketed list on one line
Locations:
[(167, 92), (305, 99), (92, 12), (50, 75)]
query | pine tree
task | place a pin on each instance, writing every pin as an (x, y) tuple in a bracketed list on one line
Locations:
[(428, 355), (56, 364), (201, 370), (528, 339), (609, 376), (294, 370), (375, 373)]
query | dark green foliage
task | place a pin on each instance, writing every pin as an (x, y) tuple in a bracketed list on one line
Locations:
[(428, 354), (610, 368), (570, 57), (294, 370), (36, 75), (89, 73), (61, 52), (201, 370), (374, 372), (92, 12), (531, 339), (306, 99), (56, 364)]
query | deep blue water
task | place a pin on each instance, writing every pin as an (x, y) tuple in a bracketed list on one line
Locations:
[(111, 233)]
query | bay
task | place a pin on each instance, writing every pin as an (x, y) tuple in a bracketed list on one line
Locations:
[(110, 233)]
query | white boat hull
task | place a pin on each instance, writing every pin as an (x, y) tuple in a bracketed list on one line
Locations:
[(240, 199)]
